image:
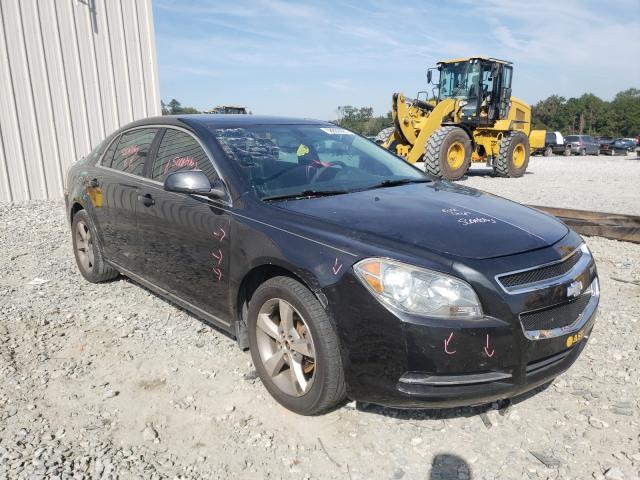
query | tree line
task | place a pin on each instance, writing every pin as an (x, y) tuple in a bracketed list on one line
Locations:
[(361, 120), (587, 115), (590, 115), (174, 107)]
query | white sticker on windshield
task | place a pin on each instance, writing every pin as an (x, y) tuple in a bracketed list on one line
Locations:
[(336, 131)]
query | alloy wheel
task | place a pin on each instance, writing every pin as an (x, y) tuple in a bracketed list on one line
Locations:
[(84, 246), (286, 347)]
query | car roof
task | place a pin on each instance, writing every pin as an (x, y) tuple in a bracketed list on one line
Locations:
[(223, 120)]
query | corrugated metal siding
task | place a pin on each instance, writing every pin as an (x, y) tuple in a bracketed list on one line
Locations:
[(71, 72)]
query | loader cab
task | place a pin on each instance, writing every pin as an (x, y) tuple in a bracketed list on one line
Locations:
[(481, 85)]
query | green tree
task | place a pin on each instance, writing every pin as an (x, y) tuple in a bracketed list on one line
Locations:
[(626, 112), (174, 107), (589, 114), (361, 120)]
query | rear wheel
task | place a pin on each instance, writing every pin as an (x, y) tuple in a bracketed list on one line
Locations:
[(448, 153), (548, 152), (567, 152), (513, 155), (583, 152), (87, 251), (294, 347)]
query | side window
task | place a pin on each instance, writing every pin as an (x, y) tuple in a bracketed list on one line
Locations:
[(180, 151), (132, 150), (108, 156)]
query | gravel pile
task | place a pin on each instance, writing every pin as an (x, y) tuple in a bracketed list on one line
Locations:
[(108, 381)]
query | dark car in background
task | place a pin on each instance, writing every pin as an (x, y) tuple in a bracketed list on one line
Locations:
[(346, 271), (554, 144), (613, 147), (583, 144), (627, 143)]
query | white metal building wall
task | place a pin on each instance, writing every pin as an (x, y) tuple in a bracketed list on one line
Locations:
[(71, 72)]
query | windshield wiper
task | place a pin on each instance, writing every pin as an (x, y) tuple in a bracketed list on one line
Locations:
[(306, 194), (400, 181)]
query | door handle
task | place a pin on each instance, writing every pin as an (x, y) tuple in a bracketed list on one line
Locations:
[(147, 200), (94, 183)]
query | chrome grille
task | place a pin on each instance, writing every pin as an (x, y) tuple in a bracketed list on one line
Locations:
[(558, 316), (540, 274)]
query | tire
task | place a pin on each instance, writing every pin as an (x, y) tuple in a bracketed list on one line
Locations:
[(325, 388), (448, 153), (583, 152), (548, 152), (383, 135), (513, 155), (567, 152), (87, 250)]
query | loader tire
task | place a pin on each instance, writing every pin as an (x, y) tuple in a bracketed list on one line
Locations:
[(448, 153), (513, 155), (383, 135)]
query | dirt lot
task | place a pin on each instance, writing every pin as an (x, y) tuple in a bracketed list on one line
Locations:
[(599, 183), (110, 380)]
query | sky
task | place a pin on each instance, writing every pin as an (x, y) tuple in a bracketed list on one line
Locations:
[(307, 58)]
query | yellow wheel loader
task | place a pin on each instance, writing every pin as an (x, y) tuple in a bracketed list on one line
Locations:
[(471, 117)]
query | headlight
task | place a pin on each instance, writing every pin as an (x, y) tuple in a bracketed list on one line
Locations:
[(418, 290)]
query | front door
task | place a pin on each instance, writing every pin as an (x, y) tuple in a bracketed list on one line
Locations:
[(118, 180), (185, 237)]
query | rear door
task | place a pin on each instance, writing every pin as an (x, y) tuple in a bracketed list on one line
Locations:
[(185, 237), (118, 182)]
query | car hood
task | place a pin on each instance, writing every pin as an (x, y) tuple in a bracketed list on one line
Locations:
[(439, 216)]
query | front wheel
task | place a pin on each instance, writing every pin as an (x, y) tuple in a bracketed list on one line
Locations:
[(513, 155), (448, 153), (294, 347), (383, 135)]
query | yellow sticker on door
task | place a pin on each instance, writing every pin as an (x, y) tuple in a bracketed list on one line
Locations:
[(575, 338)]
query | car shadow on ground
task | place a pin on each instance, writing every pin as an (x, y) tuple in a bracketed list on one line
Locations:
[(412, 414), (190, 314), (397, 413)]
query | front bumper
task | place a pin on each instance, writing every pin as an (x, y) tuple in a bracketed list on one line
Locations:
[(394, 359)]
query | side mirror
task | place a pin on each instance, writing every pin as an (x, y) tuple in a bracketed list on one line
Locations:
[(429, 76), (191, 181)]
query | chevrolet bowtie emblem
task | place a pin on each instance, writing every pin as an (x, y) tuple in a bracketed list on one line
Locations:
[(575, 289)]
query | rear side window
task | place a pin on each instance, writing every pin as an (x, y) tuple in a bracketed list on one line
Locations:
[(108, 155), (132, 150), (180, 151)]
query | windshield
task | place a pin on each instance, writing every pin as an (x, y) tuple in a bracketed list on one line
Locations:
[(459, 80), (308, 160)]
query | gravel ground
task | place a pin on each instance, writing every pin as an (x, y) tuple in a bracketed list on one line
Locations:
[(605, 184), (105, 381)]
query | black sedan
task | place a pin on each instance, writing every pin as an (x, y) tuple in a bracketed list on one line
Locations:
[(613, 147), (346, 271)]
